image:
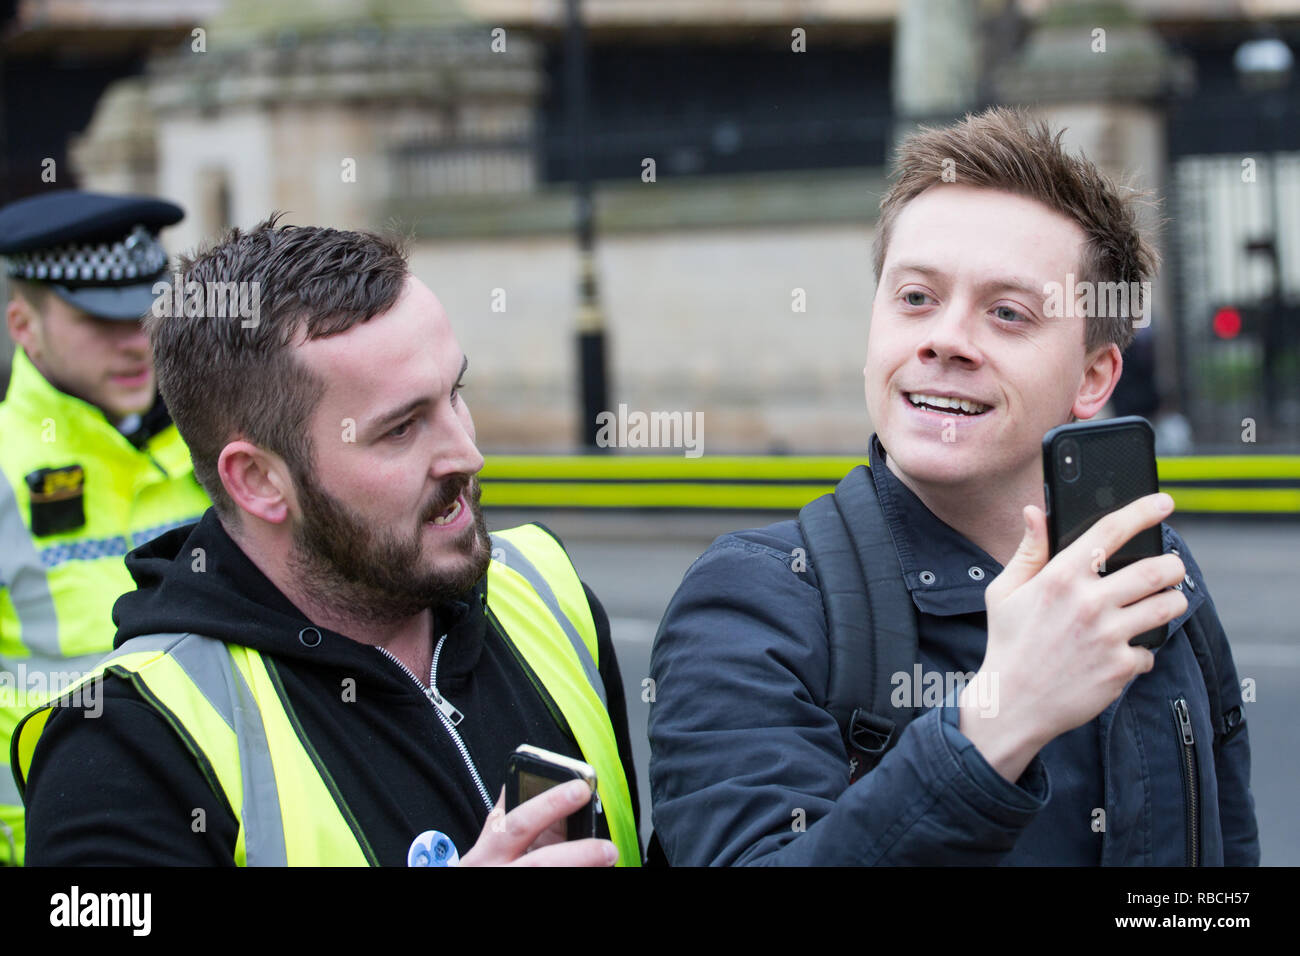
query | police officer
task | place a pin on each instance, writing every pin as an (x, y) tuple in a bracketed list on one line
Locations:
[(90, 463)]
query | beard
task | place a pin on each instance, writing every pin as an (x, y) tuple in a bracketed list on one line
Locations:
[(376, 577)]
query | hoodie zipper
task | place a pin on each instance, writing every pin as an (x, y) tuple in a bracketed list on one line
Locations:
[(1183, 720), (447, 713)]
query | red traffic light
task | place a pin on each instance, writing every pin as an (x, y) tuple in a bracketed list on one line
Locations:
[(1227, 322)]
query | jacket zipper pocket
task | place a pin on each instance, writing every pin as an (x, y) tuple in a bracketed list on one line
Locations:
[(447, 714), (1187, 744)]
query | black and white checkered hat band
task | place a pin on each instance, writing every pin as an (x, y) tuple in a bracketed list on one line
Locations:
[(137, 258)]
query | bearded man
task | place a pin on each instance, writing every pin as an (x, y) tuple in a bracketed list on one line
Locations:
[(334, 664)]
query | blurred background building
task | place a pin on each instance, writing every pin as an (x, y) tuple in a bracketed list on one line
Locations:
[(738, 151)]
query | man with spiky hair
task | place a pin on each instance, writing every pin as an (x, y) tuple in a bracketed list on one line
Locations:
[(1069, 745)]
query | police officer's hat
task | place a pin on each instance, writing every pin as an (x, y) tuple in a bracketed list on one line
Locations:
[(98, 253)]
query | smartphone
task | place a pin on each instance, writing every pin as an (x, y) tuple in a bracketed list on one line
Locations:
[(532, 770), (1091, 469)]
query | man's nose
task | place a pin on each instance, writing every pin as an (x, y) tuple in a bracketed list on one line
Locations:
[(949, 336), (457, 453)]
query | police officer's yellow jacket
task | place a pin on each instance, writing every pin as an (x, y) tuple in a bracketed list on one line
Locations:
[(228, 704), (75, 496)]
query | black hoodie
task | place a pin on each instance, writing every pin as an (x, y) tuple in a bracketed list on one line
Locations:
[(123, 788)]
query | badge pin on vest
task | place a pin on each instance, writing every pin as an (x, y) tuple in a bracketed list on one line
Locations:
[(432, 848)]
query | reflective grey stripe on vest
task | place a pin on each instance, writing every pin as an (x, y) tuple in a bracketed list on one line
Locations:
[(149, 642), (22, 572), (206, 662), (515, 560), (9, 795)]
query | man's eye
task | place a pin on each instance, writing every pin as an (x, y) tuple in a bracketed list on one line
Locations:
[(911, 298), (401, 430), (1008, 314), (456, 390)]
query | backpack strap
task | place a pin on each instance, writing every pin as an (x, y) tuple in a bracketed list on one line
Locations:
[(871, 623), (870, 616)]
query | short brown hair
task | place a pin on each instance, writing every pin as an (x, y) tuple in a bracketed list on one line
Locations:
[(1008, 150), (222, 381)]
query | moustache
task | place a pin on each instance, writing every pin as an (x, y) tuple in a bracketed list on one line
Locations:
[(447, 495)]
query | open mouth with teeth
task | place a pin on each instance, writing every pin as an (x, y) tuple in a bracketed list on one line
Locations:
[(450, 514), (946, 405)]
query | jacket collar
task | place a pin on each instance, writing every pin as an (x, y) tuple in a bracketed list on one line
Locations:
[(34, 397), (31, 392), (945, 573)]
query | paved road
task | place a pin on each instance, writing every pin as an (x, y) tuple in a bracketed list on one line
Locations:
[(634, 562)]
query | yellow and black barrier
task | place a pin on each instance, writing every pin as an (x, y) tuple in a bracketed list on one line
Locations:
[(1200, 484)]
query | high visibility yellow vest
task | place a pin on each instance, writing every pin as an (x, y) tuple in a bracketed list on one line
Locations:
[(60, 577), (227, 704)]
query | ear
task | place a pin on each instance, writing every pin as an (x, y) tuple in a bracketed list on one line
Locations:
[(257, 481), (24, 324), (1099, 379)]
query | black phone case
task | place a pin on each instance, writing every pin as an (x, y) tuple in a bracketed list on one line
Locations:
[(1116, 465), (581, 824)]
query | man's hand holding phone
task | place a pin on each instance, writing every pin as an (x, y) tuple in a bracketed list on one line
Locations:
[(1058, 632), (533, 833)]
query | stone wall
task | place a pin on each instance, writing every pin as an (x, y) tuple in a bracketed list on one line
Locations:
[(698, 321)]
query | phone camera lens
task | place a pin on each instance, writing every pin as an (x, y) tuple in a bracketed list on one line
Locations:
[(1069, 459)]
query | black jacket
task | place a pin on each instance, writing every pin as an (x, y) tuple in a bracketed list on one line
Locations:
[(123, 789), (741, 663)]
